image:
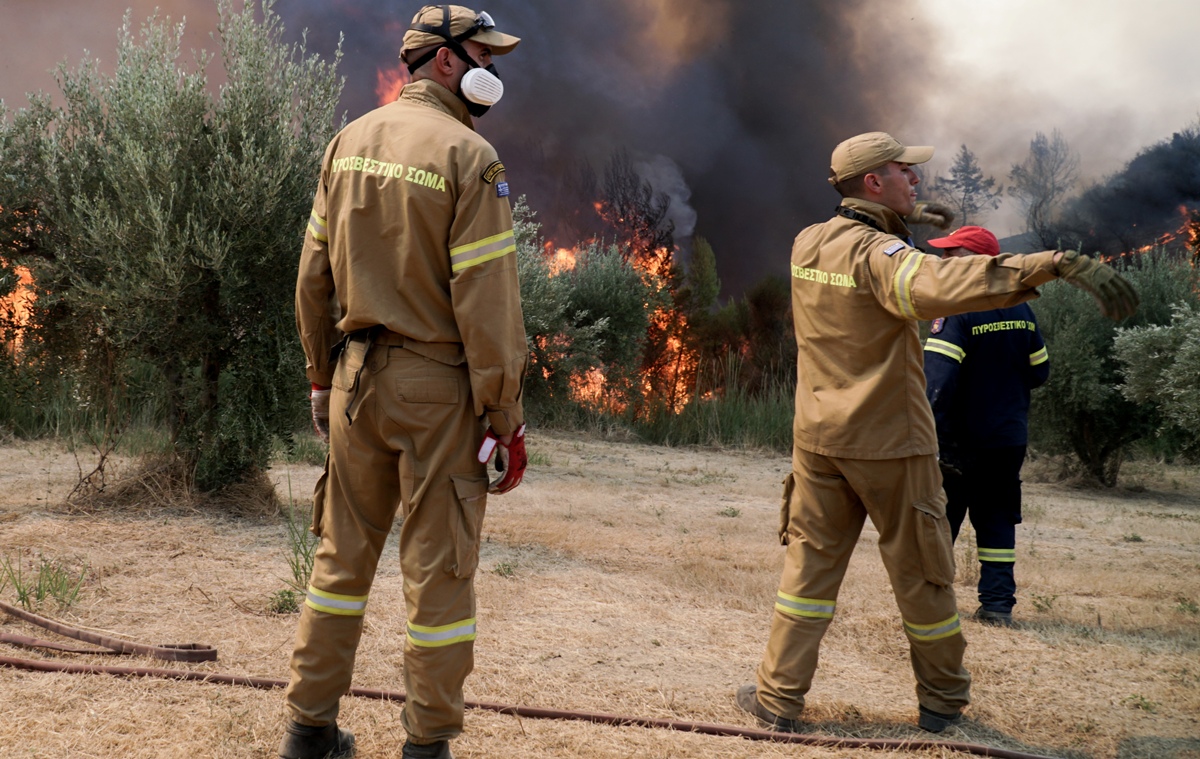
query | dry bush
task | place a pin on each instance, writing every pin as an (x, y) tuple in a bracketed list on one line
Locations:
[(164, 484)]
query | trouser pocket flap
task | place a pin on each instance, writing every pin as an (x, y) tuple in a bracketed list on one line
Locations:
[(466, 522), (933, 540), (785, 511)]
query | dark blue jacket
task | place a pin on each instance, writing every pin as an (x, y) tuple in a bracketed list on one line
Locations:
[(979, 369)]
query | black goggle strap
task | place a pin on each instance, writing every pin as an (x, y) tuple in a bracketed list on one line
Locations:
[(452, 42)]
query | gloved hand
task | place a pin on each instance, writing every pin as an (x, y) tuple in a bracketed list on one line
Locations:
[(319, 397), (951, 458), (510, 459), (929, 212), (950, 465), (1116, 297)]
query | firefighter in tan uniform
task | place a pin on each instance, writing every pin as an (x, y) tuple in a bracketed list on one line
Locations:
[(865, 442), (408, 307)]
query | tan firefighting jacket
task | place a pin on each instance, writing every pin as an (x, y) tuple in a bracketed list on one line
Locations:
[(857, 294), (411, 230)]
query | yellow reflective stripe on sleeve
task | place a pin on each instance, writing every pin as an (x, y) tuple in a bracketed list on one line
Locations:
[(446, 635), (1039, 357), (946, 349), (318, 227), (1001, 555), (936, 631), (902, 284), (332, 603), (816, 608), (484, 250)]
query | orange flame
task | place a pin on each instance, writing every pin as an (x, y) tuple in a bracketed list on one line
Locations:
[(17, 306), (669, 375), (561, 259), (389, 82), (1188, 233)]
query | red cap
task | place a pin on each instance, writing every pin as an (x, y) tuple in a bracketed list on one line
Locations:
[(975, 239)]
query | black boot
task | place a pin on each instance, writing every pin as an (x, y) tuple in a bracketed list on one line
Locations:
[(308, 742), (994, 618), (936, 722), (438, 750), (747, 701)]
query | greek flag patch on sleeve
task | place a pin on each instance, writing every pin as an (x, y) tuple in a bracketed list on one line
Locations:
[(502, 189), (894, 248)]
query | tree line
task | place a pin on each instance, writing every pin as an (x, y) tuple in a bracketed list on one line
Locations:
[(162, 219)]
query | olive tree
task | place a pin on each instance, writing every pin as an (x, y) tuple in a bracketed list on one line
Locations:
[(1083, 408), (170, 214)]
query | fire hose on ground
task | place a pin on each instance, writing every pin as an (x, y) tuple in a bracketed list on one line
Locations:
[(195, 652)]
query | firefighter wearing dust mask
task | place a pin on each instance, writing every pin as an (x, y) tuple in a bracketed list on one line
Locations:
[(865, 441), (409, 311)]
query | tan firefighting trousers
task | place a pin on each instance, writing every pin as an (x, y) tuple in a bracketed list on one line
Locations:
[(412, 444), (825, 503)]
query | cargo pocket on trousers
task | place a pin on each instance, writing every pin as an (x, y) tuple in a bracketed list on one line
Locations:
[(466, 523), (318, 510), (349, 363), (785, 510), (933, 540)]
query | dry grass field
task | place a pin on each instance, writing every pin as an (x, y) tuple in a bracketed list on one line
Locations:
[(627, 579)]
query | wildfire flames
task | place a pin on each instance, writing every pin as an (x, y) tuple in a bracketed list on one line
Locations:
[(17, 307), (1188, 234), (672, 374), (389, 82)]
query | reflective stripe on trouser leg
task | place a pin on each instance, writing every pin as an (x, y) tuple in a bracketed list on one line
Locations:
[(354, 504), (995, 508), (444, 496), (823, 522), (907, 506), (413, 445), (997, 580)]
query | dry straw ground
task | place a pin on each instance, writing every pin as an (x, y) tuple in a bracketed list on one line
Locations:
[(628, 579)]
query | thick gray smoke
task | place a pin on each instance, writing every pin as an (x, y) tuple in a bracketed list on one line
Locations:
[(736, 104), (731, 108)]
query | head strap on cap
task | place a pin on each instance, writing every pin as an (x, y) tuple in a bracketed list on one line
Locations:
[(482, 22)]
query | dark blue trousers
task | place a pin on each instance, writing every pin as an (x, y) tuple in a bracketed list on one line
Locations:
[(989, 490)]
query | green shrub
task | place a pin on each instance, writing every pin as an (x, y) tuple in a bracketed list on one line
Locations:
[(1082, 410), (1161, 367), (591, 317)]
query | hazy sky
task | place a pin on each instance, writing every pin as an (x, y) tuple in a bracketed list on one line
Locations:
[(1112, 75)]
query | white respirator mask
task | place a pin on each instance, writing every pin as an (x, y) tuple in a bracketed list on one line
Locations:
[(482, 86)]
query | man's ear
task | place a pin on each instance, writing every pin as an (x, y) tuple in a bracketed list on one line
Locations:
[(444, 61), (872, 182)]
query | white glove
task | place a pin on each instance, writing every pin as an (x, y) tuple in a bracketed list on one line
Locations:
[(320, 411)]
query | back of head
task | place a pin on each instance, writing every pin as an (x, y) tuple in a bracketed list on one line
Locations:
[(975, 239)]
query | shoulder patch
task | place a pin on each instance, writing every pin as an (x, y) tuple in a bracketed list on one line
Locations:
[(502, 190), (938, 325), (894, 248), (493, 170)]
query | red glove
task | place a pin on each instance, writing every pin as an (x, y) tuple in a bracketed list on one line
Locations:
[(320, 411), (510, 459)]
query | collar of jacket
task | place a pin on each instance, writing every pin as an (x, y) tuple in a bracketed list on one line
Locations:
[(891, 221), (430, 93)]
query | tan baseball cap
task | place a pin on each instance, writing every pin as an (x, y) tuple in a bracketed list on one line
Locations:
[(860, 154), (462, 21)]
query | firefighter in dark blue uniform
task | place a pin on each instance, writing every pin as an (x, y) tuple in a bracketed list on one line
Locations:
[(980, 368)]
